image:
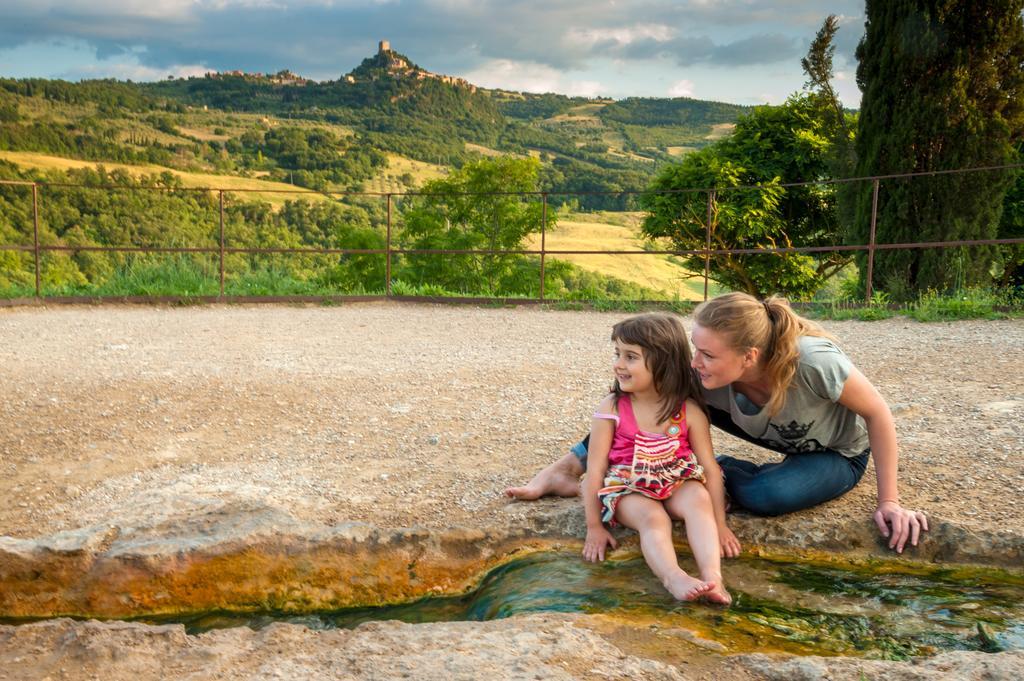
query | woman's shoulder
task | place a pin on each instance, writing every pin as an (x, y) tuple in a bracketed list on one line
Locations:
[(817, 350), (808, 343), (823, 367)]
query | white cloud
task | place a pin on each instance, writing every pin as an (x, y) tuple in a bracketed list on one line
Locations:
[(587, 37), (133, 70), (681, 88), (76, 59), (514, 75), (847, 89), (585, 88), (532, 77), (145, 9)]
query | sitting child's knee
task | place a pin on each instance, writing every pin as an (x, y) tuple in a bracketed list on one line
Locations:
[(695, 492), (654, 515)]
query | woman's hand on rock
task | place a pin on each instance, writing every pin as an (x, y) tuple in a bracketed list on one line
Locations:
[(899, 524), (730, 545)]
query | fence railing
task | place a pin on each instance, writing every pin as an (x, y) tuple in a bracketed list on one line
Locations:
[(391, 249)]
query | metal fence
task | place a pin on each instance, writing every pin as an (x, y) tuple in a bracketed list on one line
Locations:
[(392, 249)]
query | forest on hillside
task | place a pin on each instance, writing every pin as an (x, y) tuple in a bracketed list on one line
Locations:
[(418, 117), (81, 211), (333, 137)]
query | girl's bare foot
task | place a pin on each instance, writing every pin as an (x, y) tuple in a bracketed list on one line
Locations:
[(717, 594), (683, 587), (558, 479)]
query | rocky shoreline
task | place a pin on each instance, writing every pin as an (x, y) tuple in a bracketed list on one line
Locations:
[(234, 559), (238, 561)]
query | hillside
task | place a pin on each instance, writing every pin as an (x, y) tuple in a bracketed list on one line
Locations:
[(220, 124), (388, 125)]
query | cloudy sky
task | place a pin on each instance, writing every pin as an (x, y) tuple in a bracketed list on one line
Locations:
[(742, 51)]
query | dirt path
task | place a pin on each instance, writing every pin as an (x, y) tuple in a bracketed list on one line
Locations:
[(418, 415)]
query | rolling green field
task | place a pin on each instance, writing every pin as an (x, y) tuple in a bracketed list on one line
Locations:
[(251, 188), (414, 173), (619, 232)]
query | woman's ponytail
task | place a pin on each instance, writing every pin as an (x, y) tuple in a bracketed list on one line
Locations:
[(771, 326)]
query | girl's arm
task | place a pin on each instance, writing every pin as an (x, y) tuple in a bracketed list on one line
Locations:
[(699, 433), (861, 397), (601, 433)]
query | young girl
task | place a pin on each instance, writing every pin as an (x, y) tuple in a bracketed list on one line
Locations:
[(650, 459)]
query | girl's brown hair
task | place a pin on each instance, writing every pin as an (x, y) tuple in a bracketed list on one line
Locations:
[(666, 355), (771, 326)]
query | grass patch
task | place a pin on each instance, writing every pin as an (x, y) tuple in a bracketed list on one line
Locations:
[(568, 306), (842, 310), (682, 307), (168, 276), (616, 306), (967, 304), (932, 306), (274, 282), (402, 288), (177, 275), (17, 291)]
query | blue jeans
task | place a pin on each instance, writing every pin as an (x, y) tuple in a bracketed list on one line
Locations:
[(797, 482)]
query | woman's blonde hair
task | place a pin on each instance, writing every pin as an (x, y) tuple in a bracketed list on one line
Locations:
[(771, 326)]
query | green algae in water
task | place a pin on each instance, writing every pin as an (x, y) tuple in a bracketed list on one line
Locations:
[(782, 606)]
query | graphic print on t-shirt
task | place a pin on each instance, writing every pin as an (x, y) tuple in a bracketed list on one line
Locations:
[(793, 441)]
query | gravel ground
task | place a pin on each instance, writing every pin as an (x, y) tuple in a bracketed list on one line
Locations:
[(407, 414)]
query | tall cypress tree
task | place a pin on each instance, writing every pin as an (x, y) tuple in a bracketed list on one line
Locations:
[(943, 88)]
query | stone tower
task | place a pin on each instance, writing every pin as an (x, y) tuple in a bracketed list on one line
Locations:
[(383, 46)]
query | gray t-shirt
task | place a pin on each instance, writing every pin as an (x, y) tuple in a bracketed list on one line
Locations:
[(812, 419)]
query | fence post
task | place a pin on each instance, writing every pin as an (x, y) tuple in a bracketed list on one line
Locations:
[(387, 257), (871, 240), (221, 198), (543, 235), (707, 244), (35, 234)]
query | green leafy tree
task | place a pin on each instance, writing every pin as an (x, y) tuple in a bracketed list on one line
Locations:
[(1011, 226), (475, 208), (9, 112), (771, 146), (818, 67), (839, 122), (943, 89)]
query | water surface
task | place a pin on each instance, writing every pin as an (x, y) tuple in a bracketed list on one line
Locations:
[(886, 610)]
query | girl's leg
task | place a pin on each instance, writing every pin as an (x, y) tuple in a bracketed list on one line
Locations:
[(798, 482), (691, 503), (650, 519)]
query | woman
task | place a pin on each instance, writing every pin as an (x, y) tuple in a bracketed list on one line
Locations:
[(778, 380)]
